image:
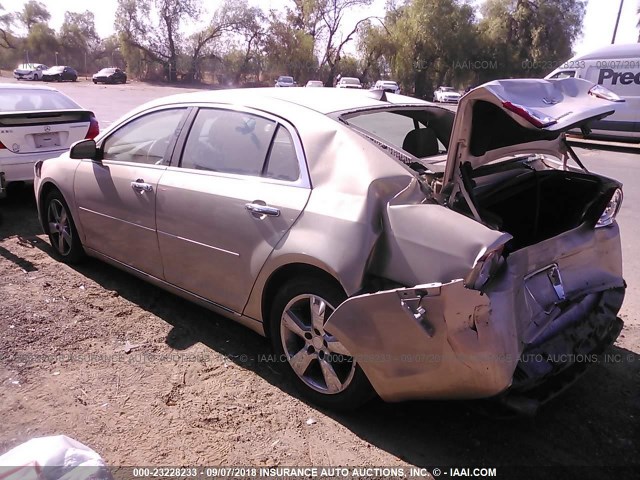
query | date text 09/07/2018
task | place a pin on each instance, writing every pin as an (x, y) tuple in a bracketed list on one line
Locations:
[(310, 472)]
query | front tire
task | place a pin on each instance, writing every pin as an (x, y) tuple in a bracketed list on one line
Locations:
[(61, 229), (320, 367)]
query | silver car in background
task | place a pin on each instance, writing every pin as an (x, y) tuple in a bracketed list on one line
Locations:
[(384, 244), (29, 71)]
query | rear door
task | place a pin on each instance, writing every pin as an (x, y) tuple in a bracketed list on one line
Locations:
[(240, 185), (116, 197)]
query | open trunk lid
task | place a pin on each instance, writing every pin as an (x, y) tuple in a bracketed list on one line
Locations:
[(509, 117)]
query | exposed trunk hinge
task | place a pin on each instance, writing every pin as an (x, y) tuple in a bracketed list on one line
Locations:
[(461, 182), (467, 197), (573, 156)]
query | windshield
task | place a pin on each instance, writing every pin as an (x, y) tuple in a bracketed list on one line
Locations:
[(350, 81), (56, 69), (107, 70), (285, 79), (13, 100)]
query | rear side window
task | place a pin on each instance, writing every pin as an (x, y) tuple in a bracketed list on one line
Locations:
[(282, 163), (13, 100), (229, 142), (144, 139)]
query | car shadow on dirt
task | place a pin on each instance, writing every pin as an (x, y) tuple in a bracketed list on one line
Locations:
[(594, 423), (18, 217)]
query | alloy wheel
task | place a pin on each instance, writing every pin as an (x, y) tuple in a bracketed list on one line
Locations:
[(59, 227), (315, 355)]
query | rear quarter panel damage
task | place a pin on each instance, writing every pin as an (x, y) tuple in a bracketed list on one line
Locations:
[(442, 340)]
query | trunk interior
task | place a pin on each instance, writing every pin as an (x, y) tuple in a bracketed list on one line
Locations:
[(534, 205)]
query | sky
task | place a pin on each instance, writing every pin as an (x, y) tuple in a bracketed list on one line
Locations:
[(598, 25)]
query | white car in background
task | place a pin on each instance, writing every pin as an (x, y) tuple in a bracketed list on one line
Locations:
[(349, 82), (446, 95), (37, 122), (29, 71), (387, 85)]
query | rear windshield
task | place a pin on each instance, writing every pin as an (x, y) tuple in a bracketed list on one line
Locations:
[(286, 79), (351, 81), (421, 132), (16, 100), (107, 70)]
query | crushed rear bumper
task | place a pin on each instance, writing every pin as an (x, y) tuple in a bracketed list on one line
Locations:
[(444, 341)]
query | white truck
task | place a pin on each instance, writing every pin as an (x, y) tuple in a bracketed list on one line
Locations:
[(617, 68)]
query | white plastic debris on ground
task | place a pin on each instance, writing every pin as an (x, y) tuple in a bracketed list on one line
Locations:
[(52, 458)]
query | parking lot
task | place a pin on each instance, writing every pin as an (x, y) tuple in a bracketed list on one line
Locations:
[(146, 378)]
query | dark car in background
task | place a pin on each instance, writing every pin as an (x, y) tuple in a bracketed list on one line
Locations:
[(60, 73), (110, 75)]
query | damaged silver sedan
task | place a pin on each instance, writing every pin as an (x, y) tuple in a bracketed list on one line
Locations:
[(384, 244)]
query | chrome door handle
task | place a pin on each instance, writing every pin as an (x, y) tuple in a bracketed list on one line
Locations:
[(140, 185), (262, 209)]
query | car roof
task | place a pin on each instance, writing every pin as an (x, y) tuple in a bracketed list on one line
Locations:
[(276, 100)]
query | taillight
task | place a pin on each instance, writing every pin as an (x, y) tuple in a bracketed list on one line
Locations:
[(2, 146), (535, 118), (94, 128), (611, 210), (601, 92), (488, 263)]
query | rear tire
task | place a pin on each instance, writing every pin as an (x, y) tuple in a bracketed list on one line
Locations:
[(319, 366), (61, 229)]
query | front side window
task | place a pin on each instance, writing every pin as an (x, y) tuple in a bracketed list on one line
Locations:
[(228, 142), (144, 139)]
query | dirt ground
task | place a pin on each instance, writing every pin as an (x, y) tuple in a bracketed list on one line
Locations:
[(146, 378)]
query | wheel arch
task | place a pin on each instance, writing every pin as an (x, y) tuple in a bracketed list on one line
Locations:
[(280, 277)]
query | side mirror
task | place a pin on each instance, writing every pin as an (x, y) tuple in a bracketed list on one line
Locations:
[(84, 149)]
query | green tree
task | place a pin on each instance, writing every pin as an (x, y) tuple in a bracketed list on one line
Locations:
[(41, 44), (153, 27), (234, 16), (289, 50), (78, 39), (529, 37), (429, 42), (7, 39), (33, 13)]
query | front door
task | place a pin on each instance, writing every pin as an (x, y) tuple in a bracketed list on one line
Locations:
[(117, 197)]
